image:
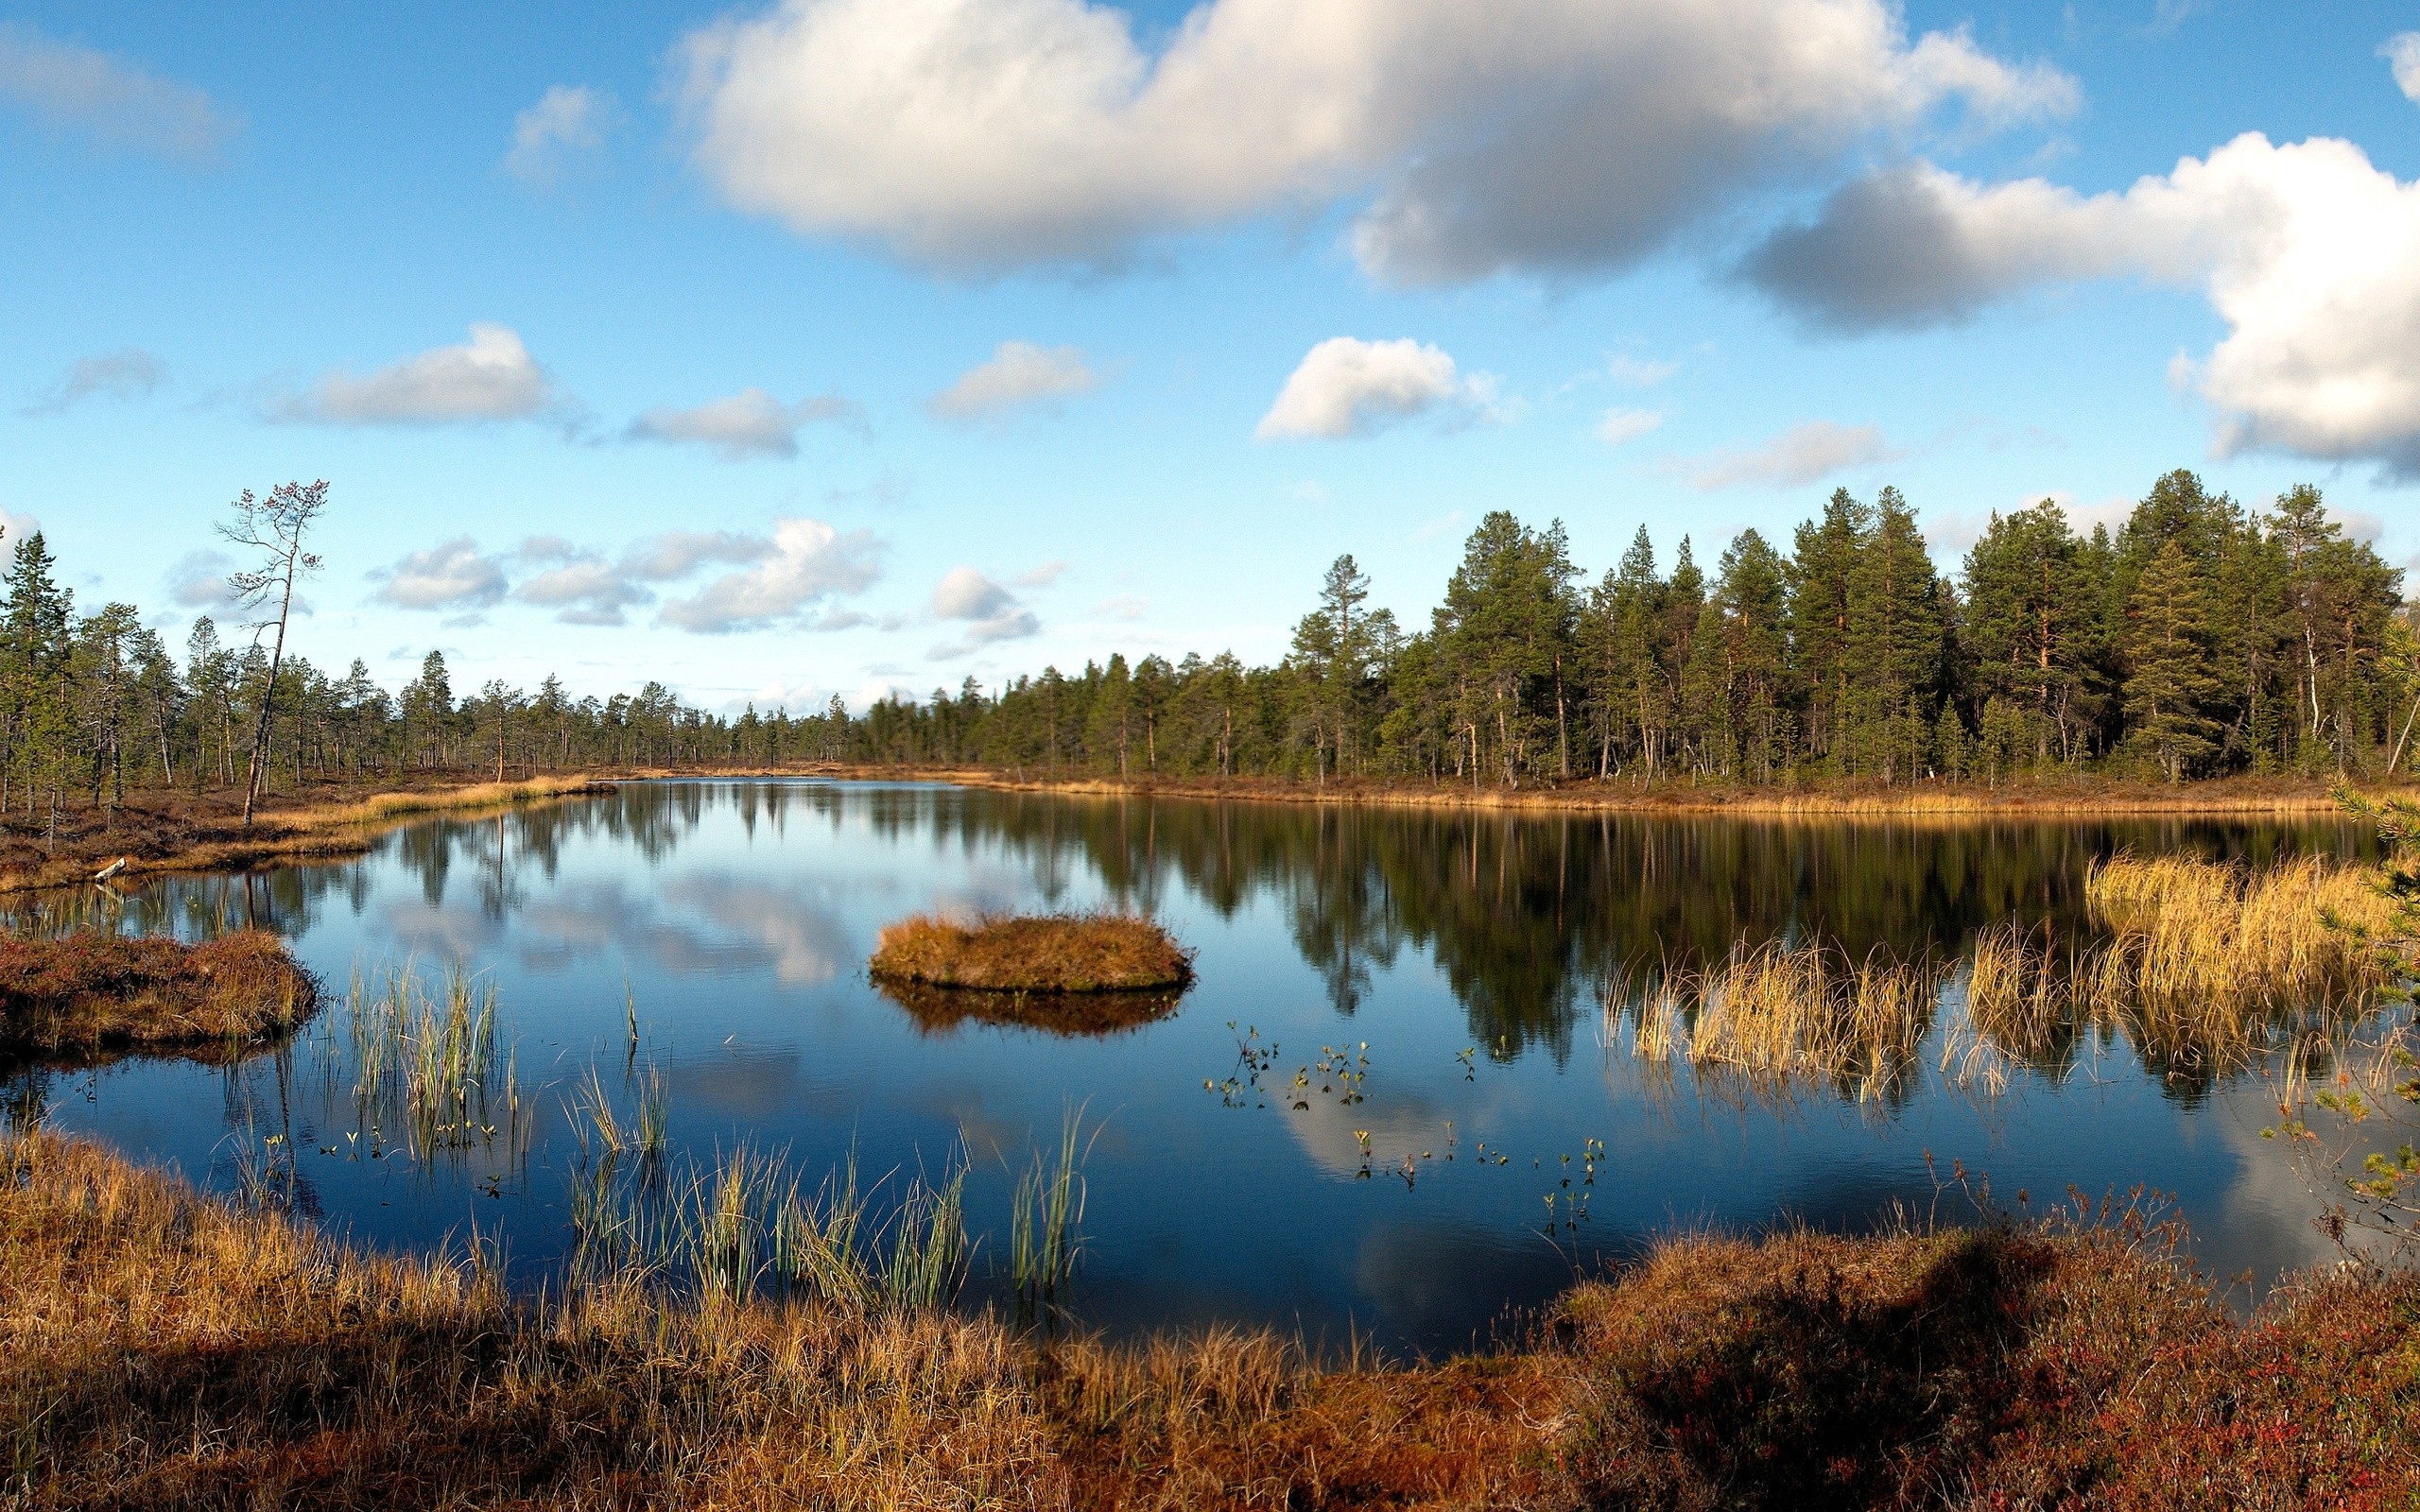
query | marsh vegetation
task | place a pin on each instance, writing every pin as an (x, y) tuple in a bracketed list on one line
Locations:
[(1060, 952), (89, 991)]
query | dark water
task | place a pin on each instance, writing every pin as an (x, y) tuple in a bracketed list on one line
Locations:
[(1467, 951)]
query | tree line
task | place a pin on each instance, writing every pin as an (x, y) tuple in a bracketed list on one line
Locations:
[(2199, 638)]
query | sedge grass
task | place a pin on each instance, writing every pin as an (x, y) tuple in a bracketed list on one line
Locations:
[(1778, 1012), (429, 1059)]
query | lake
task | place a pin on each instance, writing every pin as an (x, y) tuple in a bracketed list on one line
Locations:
[(1438, 976)]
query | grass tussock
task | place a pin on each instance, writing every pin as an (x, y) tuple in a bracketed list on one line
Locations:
[(2291, 935), (1055, 953), (96, 990), (161, 1350), (1788, 1010)]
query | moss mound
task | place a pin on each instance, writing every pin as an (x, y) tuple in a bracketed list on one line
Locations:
[(1052, 953), (94, 990)]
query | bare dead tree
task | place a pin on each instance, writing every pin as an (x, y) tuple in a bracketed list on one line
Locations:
[(274, 527)]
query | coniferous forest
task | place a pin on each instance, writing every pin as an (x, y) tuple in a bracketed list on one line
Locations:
[(2200, 638)]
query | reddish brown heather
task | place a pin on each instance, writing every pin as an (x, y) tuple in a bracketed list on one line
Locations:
[(160, 1350), (1054, 952), (97, 991)]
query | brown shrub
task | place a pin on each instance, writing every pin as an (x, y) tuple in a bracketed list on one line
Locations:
[(95, 991), (1054, 952)]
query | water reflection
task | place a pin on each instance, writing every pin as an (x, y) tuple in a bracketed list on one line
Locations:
[(715, 932)]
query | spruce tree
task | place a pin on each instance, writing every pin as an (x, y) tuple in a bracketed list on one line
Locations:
[(2168, 644)]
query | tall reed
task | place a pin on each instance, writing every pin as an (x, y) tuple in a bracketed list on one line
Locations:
[(1781, 1010), (1044, 1221)]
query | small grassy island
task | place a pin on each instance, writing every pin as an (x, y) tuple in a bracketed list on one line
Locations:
[(1063, 974), (94, 990), (1053, 953)]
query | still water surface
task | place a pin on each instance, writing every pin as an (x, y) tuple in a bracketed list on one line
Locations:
[(1464, 954)]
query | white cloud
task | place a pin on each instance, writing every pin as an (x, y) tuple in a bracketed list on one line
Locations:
[(678, 553), (1640, 372), (15, 527), (1017, 373), (989, 612), (124, 374), (492, 377), (1345, 386), (1041, 576), (2402, 53), (2310, 252), (198, 581), (1620, 426), (451, 575), (117, 101), (1441, 526), (567, 121), (1122, 606), (808, 562), (1799, 456), (1556, 136), (582, 592), (750, 422)]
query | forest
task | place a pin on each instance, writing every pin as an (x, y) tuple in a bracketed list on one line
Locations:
[(2200, 638)]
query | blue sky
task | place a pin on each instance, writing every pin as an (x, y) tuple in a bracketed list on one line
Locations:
[(860, 344)]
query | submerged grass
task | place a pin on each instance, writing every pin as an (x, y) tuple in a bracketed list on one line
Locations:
[(164, 1350), (1056, 953), (95, 991)]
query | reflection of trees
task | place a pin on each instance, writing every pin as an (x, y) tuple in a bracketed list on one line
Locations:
[(1523, 913)]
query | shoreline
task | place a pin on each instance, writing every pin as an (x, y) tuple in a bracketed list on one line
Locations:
[(311, 828), (2081, 799), (302, 830)]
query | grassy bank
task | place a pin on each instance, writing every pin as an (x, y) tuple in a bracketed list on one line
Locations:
[(161, 1350), (1054, 952), (93, 991), (2078, 796), (160, 831)]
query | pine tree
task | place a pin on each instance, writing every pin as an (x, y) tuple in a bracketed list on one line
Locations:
[(1827, 556), (1896, 652)]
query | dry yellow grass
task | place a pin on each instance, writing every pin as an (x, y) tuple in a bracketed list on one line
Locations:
[(160, 1350), (1057, 953), (1778, 1011), (94, 990)]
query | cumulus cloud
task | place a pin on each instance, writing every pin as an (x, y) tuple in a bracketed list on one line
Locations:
[(2402, 53), (989, 611), (1619, 426), (808, 562), (2310, 252), (582, 592), (1799, 456), (750, 422), (1555, 136), (1345, 386), (127, 373), (490, 377), (453, 574), (1018, 373), (789, 571), (569, 120), (114, 101), (15, 527)]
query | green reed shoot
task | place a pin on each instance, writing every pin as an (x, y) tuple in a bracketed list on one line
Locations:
[(1047, 1212)]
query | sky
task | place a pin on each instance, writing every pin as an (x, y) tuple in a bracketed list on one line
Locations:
[(859, 346)]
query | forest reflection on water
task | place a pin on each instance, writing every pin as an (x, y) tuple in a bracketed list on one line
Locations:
[(1462, 956)]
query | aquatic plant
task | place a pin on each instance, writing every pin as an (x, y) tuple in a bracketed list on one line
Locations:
[(1781, 1010), (1045, 1217), (424, 1060)]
